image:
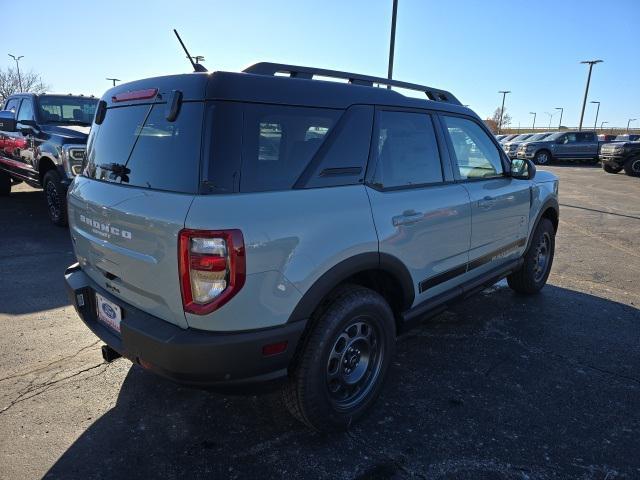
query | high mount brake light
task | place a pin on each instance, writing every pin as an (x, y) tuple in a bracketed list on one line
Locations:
[(212, 268), (135, 95)]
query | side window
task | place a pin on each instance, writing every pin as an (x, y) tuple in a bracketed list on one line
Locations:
[(407, 150), (26, 111), (279, 142), (570, 138), (475, 154), (586, 137), (12, 105)]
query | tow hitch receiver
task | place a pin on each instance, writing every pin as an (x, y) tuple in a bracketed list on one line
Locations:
[(109, 354)]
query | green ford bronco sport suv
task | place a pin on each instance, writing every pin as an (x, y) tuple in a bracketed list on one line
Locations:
[(269, 226)]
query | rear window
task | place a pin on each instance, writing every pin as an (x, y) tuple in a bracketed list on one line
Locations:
[(279, 142), (136, 145)]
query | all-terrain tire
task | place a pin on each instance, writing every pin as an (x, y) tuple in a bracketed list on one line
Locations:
[(610, 169), (538, 258), (356, 325), (55, 195), (632, 167)]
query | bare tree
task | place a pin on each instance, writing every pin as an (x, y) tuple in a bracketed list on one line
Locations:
[(9, 84), (495, 119)]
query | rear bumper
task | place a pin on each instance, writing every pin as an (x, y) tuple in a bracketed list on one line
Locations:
[(188, 356)]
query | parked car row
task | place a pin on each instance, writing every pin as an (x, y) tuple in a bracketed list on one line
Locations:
[(617, 153)]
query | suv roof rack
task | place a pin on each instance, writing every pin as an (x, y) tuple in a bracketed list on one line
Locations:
[(296, 71)]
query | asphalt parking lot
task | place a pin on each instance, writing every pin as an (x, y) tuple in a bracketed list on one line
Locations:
[(500, 387)]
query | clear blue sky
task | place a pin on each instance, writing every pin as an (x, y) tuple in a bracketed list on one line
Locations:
[(473, 48)]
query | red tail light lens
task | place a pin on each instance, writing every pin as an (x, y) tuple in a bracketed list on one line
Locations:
[(135, 95), (212, 268)]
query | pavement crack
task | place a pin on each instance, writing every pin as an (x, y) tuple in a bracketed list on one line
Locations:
[(43, 387), (50, 364)]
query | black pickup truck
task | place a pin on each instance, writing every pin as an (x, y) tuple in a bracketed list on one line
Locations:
[(619, 155), (42, 143)]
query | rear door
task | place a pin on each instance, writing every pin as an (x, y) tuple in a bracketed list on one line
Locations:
[(499, 204), (126, 209), (586, 145), (421, 216)]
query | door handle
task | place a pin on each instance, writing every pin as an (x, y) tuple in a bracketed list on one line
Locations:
[(487, 203), (407, 218)]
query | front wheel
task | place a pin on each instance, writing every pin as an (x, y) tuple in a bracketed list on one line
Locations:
[(632, 167), (56, 196), (543, 157), (538, 259), (610, 169), (341, 370)]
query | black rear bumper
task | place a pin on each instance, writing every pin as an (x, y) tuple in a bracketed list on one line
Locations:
[(189, 356)]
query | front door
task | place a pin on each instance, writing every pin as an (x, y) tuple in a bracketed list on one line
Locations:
[(499, 204), (421, 216)]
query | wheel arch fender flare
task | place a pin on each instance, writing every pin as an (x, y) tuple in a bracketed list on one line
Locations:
[(347, 268), (549, 207)]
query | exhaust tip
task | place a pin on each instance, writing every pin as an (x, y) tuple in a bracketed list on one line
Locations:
[(109, 354)]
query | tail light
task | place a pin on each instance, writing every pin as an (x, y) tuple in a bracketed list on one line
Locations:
[(212, 268)]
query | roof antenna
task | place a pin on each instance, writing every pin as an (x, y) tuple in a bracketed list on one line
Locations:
[(197, 67)]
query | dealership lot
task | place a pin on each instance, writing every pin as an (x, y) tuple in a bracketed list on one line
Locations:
[(501, 386)]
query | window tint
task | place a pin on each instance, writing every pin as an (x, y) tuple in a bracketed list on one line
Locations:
[(475, 154), (407, 151), (279, 142), (12, 104), (586, 137), (26, 110), (136, 145), (342, 159), (67, 109)]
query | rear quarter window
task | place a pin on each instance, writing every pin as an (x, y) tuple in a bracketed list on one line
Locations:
[(279, 142), (137, 146)]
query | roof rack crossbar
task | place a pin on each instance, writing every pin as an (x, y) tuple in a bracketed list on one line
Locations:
[(296, 71)]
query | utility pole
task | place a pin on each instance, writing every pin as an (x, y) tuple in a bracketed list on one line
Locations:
[(114, 80), (534, 120), (17, 60), (561, 112), (591, 63), (630, 120), (392, 41), (504, 94), (595, 124)]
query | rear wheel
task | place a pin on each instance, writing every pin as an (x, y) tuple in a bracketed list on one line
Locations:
[(632, 167), (5, 183), (543, 157), (56, 196), (341, 370), (538, 259), (610, 169)]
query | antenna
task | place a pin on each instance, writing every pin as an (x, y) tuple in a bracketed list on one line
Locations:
[(197, 67)]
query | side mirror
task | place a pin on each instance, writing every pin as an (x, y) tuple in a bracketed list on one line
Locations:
[(523, 169), (7, 121), (28, 127)]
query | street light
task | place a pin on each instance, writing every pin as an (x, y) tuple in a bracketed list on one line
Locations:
[(114, 80), (601, 124), (561, 112), (534, 120), (591, 63), (17, 59), (630, 120), (504, 94), (550, 117), (595, 124)]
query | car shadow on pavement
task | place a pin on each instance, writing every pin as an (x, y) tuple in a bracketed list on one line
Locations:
[(500, 386), (34, 254)]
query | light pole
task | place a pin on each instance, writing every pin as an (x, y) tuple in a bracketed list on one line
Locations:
[(591, 63), (561, 112), (595, 124), (602, 124), (534, 120), (17, 59), (550, 117), (630, 120), (504, 94), (114, 80), (392, 41)]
